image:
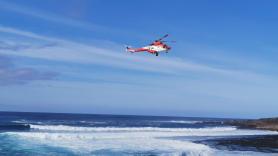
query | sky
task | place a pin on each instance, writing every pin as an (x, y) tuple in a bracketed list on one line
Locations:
[(69, 56)]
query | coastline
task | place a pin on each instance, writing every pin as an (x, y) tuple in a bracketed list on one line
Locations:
[(262, 124), (259, 143), (67, 133)]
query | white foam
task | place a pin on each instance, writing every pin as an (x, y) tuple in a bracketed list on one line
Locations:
[(154, 131), (87, 140), (93, 122), (20, 121), (127, 129), (182, 121), (89, 143)]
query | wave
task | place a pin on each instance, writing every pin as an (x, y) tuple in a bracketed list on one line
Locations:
[(127, 140), (78, 145), (14, 127), (20, 121), (93, 122), (115, 143), (181, 121), (125, 129), (151, 131)]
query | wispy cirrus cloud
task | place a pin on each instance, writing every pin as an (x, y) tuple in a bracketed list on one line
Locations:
[(12, 46), (10, 75), (47, 16), (56, 18), (88, 70), (70, 51), (19, 46), (75, 52)]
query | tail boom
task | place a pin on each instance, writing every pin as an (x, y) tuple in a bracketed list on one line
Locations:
[(132, 50)]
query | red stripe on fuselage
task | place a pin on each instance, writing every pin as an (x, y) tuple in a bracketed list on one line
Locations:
[(141, 50)]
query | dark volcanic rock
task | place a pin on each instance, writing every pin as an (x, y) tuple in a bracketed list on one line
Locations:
[(265, 124), (267, 143)]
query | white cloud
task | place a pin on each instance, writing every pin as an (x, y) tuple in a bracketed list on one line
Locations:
[(51, 17), (71, 51)]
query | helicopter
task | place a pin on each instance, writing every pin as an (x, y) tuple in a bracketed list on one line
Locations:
[(155, 47)]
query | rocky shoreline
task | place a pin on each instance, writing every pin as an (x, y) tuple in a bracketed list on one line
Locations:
[(263, 143), (263, 124)]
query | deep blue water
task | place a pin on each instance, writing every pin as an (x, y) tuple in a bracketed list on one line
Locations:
[(108, 120), (85, 134)]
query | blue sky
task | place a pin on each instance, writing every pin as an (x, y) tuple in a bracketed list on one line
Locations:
[(69, 56)]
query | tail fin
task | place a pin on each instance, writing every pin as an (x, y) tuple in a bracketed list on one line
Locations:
[(129, 49)]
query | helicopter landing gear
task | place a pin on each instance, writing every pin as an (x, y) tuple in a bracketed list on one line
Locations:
[(156, 53)]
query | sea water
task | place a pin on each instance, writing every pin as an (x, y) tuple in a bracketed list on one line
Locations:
[(84, 134)]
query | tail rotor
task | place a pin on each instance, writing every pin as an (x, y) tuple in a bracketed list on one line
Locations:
[(128, 49)]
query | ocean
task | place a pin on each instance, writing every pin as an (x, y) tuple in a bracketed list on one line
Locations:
[(108, 135)]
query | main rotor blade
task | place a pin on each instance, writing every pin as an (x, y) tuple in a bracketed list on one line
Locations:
[(163, 37), (169, 41)]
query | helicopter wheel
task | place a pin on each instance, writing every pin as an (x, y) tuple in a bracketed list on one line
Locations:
[(156, 54)]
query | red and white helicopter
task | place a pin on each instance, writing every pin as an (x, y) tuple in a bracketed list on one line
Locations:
[(154, 48)]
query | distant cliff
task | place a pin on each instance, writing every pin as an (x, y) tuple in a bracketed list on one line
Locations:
[(265, 123)]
